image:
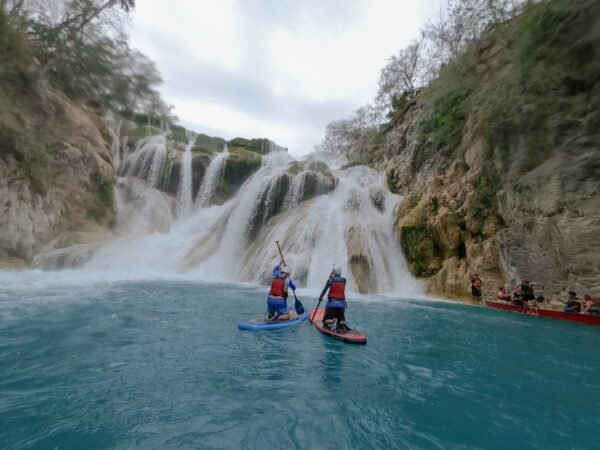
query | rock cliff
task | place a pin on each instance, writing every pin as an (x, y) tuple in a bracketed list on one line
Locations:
[(499, 160), (55, 171)]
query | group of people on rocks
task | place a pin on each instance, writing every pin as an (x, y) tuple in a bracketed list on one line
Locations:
[(336, 297)]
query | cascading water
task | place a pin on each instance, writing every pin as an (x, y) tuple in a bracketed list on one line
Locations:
[(147, 159), (319, 217), (211, 178), (184, 193), (114, 129)]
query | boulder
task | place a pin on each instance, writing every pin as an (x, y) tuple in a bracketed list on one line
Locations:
[(240, 164)]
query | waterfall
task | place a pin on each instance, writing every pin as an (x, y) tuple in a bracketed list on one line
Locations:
[(146, 160), (295, 192), (320, 217), (114, 129), (184, 193), (211, 178)]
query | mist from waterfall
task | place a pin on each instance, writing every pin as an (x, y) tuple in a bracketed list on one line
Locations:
[(318, 223)]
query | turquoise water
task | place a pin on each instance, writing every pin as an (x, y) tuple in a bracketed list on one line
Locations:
[(161, 364)]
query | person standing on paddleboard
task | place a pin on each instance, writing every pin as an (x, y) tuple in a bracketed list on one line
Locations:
[(277, 301), (336, 300)]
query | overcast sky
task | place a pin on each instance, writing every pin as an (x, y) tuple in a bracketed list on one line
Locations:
[(281, 69)]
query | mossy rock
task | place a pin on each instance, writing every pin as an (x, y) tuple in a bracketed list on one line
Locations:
[(270, 203), (171, 178), (295, 168), (240, 164), (208, 144), (141, 132), (422, 254), (316, 184), (261, 146), (319, 166)]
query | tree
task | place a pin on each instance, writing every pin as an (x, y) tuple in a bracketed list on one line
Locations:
[(341, 136), (82, 48), (461, 24), (401, 78)]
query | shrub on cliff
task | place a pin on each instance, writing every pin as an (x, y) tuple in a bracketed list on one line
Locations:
[(547, 101), (208, 144), (261, 146)]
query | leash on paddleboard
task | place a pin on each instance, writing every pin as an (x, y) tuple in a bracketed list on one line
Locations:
[(297, 304)]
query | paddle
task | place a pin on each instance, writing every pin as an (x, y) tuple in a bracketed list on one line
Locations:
[(310, 319), (299, 307)]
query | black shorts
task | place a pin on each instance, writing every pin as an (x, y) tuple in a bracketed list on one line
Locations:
[(335, 313), (475, 292)]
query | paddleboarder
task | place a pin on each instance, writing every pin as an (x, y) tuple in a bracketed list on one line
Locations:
[(277, 300), (336, 300)]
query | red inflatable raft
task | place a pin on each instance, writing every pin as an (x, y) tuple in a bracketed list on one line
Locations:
[(572, 317), (348, 336)]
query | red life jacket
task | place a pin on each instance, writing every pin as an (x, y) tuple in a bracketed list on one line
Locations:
[(337, 290), (278, 288)]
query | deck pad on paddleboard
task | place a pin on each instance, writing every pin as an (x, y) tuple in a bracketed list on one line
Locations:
[(349, 336), (259, 323)]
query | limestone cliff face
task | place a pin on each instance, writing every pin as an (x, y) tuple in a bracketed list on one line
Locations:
[(55, 172), (512, 188)]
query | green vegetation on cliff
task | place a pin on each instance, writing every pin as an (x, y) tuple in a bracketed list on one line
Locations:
[(261, 146), (491, 127), (241, 163), (208, 144)]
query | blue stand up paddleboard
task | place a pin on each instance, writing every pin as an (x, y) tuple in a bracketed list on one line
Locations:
[(260, 323)]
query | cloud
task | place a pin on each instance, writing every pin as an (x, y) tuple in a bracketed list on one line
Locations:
[(275, 68)]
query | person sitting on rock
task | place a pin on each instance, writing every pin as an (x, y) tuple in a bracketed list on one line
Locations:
[(277, 300), (590, 306), (503, 295), (476, 285), (336, 300)]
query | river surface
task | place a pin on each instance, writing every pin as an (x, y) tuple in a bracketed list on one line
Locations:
[(95, 364)]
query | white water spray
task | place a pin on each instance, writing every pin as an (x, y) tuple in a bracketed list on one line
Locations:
[(184, 193)]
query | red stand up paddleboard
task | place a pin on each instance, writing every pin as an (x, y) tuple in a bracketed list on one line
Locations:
[(348, 336)]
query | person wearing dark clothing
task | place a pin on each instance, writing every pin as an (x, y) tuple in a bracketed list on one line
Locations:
[(527, 290), (476, 285), (518, 297), (573, 303), (336, 300)]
